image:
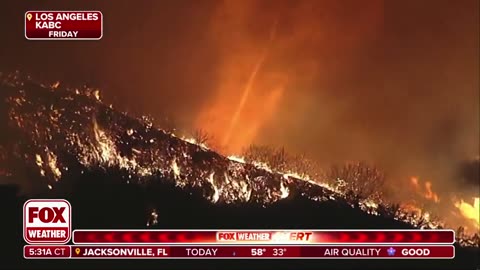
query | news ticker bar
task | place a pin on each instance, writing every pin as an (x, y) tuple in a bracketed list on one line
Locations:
[(238, 252), (235, 237)]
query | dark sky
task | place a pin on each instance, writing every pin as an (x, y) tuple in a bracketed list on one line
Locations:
[(393, 82)]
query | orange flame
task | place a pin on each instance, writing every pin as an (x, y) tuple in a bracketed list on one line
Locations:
[(429, 194), (414, 181), (425, 192), (470, 211), (412, 208)]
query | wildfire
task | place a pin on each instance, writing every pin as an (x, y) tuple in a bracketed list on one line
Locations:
[(142, 151), (412, 208), (248, 92), (425, 191), (193, 141), (429, 194), (176, 169), (52, 163), (236, 158), (470, 211)]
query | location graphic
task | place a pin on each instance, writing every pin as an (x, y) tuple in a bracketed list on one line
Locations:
[(63, 25)]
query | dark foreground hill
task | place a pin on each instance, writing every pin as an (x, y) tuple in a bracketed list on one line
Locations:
[(115, 170), (98, 201)]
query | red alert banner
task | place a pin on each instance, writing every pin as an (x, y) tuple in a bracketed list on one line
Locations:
[(240, 252), (63, 25), (235, 237)]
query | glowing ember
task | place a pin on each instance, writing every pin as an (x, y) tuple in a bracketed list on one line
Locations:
[(96, 94), (284, 192), (52, 163), (237, 159), (216, 193), (176, 169), (193, 141), (262, 165), (153, 219), (55, 85)]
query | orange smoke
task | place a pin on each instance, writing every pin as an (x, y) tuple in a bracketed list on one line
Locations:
[(261, 48), (247, 95), (237, 113), (247, 90)]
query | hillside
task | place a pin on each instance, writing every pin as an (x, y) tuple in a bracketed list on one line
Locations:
[(117, 170)]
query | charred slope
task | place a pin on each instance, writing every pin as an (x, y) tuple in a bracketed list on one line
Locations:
[(55, 135), (116, 170)]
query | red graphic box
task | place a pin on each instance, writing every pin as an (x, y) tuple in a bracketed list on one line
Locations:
[(47, 221)]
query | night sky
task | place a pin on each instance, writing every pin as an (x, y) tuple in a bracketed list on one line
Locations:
[(395, 83)]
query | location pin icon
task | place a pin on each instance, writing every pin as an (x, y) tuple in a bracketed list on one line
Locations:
[(29, 16), (77, 250)]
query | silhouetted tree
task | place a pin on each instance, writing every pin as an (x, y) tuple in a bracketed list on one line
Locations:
[(280, 160), (202, 137), (358, 180)]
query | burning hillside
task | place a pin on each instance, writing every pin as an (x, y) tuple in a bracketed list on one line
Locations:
[(54, 132)]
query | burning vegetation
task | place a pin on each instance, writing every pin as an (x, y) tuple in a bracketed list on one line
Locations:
[(62, 131)]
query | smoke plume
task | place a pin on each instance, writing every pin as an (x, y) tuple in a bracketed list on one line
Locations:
[(394, 83)]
